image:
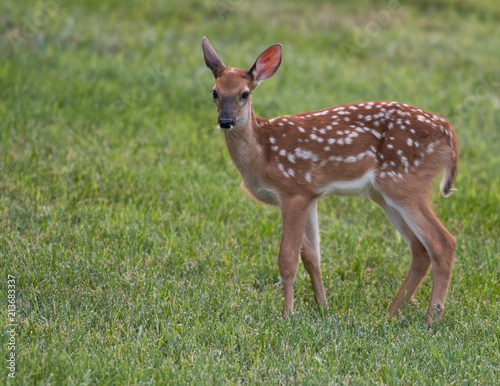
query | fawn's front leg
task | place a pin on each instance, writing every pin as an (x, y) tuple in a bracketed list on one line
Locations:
[(310, 253), (294, 212)]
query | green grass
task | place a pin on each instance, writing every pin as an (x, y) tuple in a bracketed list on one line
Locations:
[(139, 260)]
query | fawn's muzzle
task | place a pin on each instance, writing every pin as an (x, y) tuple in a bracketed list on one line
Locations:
[(225, 123)]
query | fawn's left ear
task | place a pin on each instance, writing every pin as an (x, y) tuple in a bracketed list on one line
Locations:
[(266, 64)]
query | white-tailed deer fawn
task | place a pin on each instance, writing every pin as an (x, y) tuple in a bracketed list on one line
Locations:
[(389, 151)]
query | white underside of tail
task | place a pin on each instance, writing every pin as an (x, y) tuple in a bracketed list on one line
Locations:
[(444, 181)]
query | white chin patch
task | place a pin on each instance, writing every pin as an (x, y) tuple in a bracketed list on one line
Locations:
[(241, 121)]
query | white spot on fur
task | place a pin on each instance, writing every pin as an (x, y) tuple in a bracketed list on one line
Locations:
[(306, 154), (364, 154), (282, 170)]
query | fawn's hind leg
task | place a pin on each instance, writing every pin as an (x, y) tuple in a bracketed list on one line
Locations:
[(440, 246), (420, 261)]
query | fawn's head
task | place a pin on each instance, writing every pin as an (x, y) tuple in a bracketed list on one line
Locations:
[(233, 86)]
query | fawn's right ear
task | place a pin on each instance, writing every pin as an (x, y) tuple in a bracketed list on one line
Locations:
[(212, 60)]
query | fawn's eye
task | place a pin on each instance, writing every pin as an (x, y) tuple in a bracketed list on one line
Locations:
[(245, 94), (214, 94)]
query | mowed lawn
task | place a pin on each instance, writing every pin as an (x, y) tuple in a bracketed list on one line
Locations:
[(137, 257)]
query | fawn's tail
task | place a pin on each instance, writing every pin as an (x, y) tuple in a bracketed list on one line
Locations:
[(451, 169)]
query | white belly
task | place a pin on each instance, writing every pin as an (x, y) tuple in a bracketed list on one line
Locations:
[(358, 187)]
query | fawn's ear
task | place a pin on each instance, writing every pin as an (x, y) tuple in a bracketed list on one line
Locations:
[(266, 64), (212, 60)]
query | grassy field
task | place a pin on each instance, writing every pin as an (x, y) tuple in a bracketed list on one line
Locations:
[(138, 259)]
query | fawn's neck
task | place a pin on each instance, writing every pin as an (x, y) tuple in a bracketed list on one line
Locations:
[(248, 151), (244, 145)]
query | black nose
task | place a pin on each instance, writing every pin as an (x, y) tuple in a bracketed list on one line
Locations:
[(225, 123)]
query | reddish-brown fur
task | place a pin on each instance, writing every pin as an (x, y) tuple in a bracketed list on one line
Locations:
[(388, 151)]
